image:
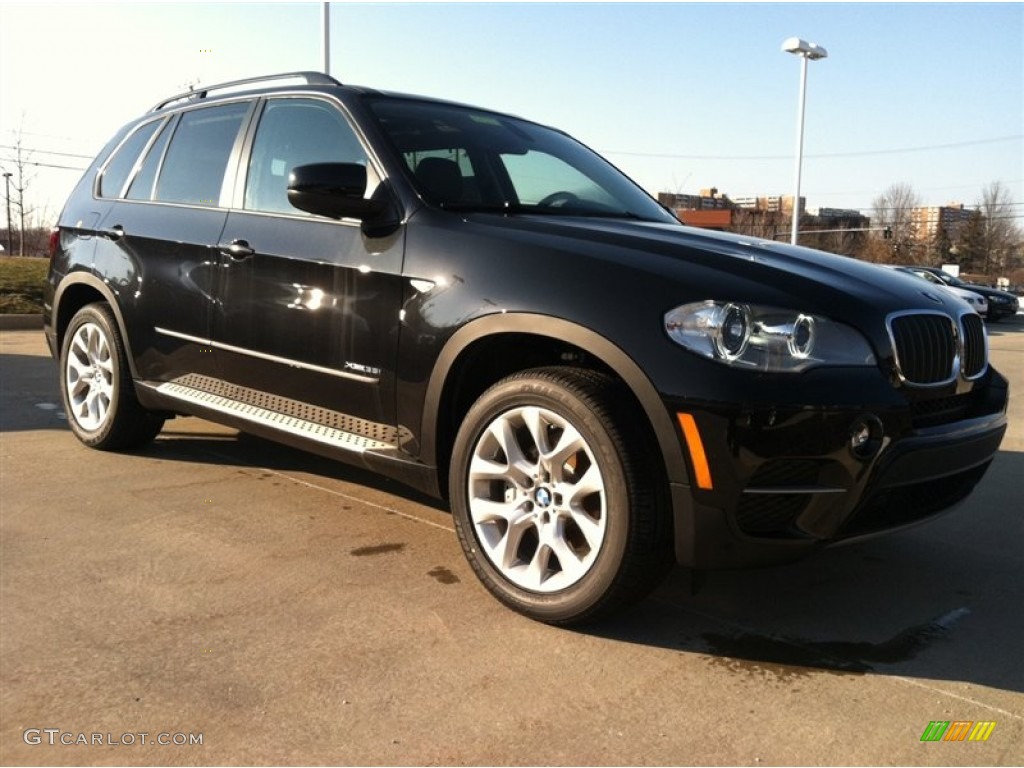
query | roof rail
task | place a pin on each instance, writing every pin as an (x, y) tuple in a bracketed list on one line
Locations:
[(311, 78)]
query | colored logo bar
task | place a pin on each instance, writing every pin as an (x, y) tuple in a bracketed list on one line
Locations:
[(958, 730)]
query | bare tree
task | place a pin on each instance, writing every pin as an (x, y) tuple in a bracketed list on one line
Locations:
[(843, 243), (20, 181), (766, 224), (999, 234), (893, 209)]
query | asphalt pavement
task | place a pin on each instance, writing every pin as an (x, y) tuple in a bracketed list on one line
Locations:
[(220, 600)]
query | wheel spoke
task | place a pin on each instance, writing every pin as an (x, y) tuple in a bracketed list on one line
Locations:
[(92, 406), (106, 367), (512, 541), (570, 444), (484, 469), (592, 530), (536, 424), (487, 511), (573, 566), (585, 487), (538, 569)]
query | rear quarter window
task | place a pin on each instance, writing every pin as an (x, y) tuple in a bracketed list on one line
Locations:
[(120, 166)]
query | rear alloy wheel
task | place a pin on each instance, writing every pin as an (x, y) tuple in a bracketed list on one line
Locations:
[(549, 508), (96, 385)]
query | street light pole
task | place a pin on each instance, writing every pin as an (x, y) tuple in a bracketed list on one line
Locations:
[(327, 38), (806, 51), (7, 196)]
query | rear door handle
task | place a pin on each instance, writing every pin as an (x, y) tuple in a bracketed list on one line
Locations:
[(114, 234), (237, 249)]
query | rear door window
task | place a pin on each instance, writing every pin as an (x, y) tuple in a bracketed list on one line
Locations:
[(193, 170)]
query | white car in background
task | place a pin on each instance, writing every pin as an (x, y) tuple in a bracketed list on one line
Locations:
[(978, 302)]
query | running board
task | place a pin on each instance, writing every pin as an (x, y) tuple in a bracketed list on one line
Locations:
[(280, 422)]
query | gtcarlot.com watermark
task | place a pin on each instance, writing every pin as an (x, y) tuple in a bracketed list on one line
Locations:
[(57, 737)]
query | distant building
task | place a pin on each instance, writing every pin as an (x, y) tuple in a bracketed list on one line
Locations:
[(926, 222), (707, 219), (835, 213), (708, 210), (709, 199), (771, 204), (766, 216)]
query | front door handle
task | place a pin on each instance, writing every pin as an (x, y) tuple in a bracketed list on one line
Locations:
[(237, 249)]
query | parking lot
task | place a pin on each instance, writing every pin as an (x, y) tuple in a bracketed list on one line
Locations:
[(286, 609)]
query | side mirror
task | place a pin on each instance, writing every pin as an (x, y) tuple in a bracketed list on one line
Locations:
[(332, 189)]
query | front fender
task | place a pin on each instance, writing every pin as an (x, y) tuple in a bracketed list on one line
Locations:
[(556, 329)]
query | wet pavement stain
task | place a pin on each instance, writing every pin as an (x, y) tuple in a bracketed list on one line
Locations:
[(379, 549), (443, 575), (782, 659), (786, 657)]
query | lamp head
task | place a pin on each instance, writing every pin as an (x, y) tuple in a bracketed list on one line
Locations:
[(812, 51)]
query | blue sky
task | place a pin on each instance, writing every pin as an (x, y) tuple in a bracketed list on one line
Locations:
[(681, 96)]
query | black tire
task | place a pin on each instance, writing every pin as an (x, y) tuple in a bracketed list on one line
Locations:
[(96, 385), (514, 516)]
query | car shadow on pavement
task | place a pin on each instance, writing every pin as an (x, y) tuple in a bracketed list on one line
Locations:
[(940, 601), (29, 394), (230, 448)]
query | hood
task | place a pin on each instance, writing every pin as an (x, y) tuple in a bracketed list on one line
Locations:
[(759, 271)]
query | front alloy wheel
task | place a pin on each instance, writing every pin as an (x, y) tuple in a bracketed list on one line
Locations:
[(537, 499), (557, 514)]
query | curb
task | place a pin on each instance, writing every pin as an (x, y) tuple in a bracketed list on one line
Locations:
[(21, 322)]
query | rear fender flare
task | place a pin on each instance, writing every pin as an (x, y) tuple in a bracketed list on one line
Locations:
[(90, 280)]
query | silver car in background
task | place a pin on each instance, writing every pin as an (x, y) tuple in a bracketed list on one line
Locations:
[(977, 302)]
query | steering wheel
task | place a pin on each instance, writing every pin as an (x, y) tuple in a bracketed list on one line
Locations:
[(558, 198)]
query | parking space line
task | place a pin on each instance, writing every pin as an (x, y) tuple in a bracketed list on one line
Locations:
[(944, 692)]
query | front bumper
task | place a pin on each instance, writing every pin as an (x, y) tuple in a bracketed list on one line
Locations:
[(786, 481), (997, 311)]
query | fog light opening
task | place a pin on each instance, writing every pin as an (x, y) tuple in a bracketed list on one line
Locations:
[(866, 436)]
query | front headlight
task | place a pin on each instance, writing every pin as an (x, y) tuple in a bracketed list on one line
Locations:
[(765, 338)]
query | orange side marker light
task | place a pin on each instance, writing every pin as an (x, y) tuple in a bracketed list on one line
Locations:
[(696, 448)]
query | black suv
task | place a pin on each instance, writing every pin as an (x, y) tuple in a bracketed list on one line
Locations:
[(486, 310), (1000, 303)]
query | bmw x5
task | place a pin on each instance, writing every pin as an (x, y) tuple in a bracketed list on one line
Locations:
[(486, 310)]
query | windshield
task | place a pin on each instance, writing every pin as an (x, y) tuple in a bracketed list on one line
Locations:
[(465, 159), (949, 279)]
